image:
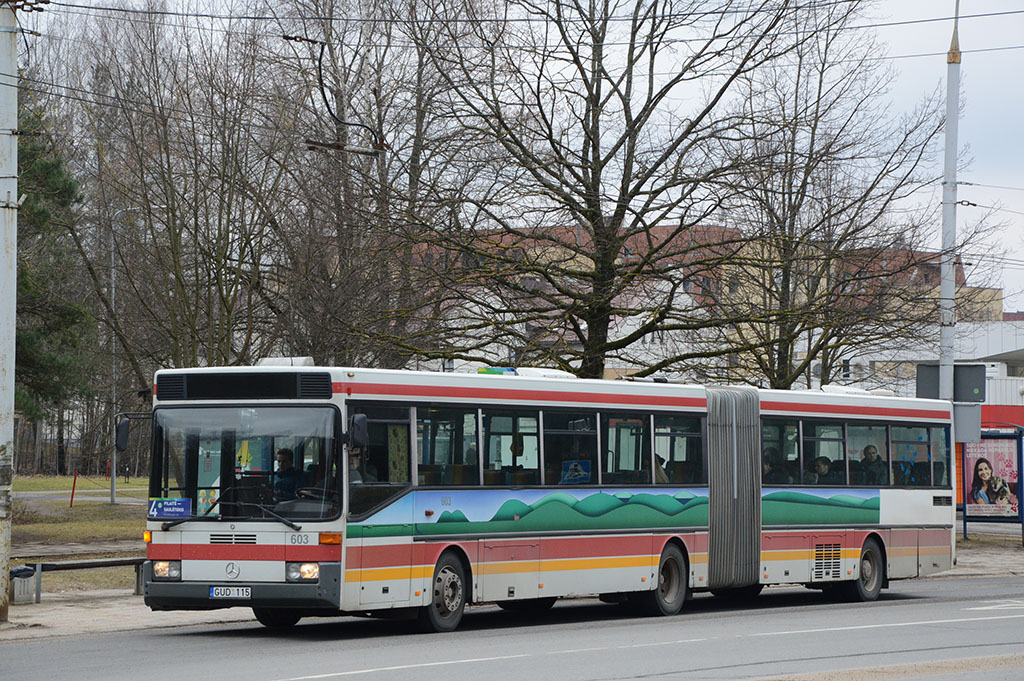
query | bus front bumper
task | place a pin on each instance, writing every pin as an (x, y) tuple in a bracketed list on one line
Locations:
[(322, 595)]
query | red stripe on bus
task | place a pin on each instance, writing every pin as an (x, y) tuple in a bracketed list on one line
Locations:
[(231, 552), (163, 551), (243, 552), (803, 540), (320, 554), (514, 394), (550, 548), (848, 409)]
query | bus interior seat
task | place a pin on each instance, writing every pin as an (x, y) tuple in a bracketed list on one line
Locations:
[(921, 474), (900, 473), (463, 474), (430, 474)]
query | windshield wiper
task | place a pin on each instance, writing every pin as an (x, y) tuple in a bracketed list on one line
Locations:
[(171, 523), (178, 521), (266, 510)]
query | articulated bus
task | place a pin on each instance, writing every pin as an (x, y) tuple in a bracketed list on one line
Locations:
[(303, 491)]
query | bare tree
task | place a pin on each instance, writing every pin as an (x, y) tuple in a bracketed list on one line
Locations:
[(595, 132), (836, 261)]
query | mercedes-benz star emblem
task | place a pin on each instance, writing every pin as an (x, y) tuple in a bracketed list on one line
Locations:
[(232, 570)]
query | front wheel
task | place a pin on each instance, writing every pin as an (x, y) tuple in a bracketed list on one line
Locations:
[(868, 584), (276, 618), (669, 594), (448, 596)]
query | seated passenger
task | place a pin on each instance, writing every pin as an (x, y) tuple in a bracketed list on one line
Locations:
[(876, 471), (771, 473), (358, 472), (823, 474)]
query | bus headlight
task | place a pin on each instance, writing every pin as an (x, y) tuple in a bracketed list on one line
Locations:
[(302, 572), (167, 570)]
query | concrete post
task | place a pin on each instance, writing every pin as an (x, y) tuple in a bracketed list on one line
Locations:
[(947, 291), (8, 281)]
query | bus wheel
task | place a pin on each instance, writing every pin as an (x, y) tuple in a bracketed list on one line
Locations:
[(276, 618), (448, 596), (739, 594), (868, 584), (528, 605), (669, 594)]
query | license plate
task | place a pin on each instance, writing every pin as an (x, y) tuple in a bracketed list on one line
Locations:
[(230, 592)]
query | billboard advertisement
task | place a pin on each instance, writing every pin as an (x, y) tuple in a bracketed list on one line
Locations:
[(991, 479)]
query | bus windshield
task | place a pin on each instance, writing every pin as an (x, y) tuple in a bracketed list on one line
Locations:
[(247, 462)]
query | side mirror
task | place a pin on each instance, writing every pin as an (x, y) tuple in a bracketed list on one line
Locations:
[(357, 431), (121, 439)]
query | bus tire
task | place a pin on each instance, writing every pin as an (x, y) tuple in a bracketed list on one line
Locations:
[(276, 618), (669, 593), (739, 594), (532, 606), (447, 596), (868, 584)]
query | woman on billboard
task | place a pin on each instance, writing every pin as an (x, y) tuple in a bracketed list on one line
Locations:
[(988, 488)]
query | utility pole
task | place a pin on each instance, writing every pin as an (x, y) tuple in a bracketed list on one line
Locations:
[(8, 280), (947, 291)]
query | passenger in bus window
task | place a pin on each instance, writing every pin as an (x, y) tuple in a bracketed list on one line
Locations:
[(874, 470), (660, 476), (357, 471), (288, 477), (822, 472), (771, 470)]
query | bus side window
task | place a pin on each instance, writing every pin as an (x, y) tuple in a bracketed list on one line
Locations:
[(678, 450), (447, 446), (511, 448), (570, 448), (626, 439)]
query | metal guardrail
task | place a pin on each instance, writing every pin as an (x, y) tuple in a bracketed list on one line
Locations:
[(40, 568)]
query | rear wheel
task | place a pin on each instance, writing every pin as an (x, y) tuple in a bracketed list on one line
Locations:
[(529, 605), (276, 618), (868, 584), (448, 596), (669, 594)]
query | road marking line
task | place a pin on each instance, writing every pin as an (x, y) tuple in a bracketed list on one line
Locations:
[(662, 643), (470, 660), (883, 626), (399, 667), (915, 670), (1000, 605)]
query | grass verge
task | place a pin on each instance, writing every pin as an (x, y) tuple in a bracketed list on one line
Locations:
[(53, 522)]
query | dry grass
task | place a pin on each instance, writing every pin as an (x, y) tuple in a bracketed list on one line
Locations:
[(63, 483), (52, 522), (979, 540)]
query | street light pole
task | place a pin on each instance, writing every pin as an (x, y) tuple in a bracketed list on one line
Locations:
[(947, 290)]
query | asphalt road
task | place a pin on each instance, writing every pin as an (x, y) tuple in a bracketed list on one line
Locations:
[(936, 629)]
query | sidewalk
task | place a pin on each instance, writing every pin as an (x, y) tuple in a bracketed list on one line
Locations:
[(111, 610), (46, 551)]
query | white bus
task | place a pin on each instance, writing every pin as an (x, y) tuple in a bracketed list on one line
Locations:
[(309, 491)]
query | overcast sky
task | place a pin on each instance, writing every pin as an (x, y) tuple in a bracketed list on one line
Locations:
[(992, 125)]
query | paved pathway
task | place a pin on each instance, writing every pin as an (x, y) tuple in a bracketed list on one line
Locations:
[(40, 550)]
